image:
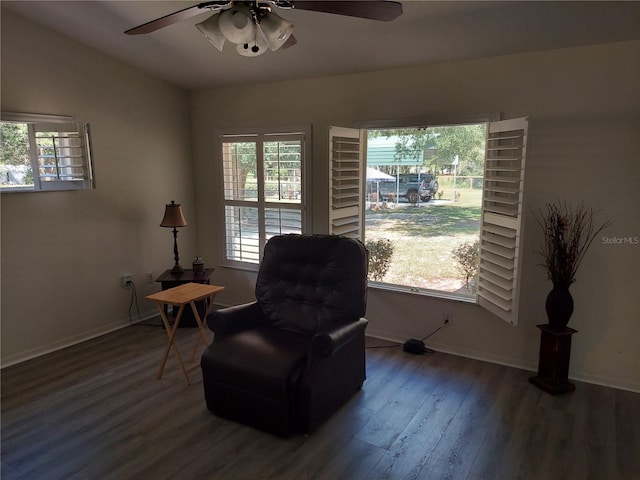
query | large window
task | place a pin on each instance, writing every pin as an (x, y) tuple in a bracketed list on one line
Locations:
[(263, 191), (439, 207), (43, 153), (423, 209)]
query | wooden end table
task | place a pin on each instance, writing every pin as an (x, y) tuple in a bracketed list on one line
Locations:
[(553, 364), (181, 296)]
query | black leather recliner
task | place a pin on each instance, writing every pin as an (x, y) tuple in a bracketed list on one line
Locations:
[(287, 361)]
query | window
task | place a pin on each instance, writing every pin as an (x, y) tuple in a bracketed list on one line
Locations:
[(444, 234), (263, 176), (44, 153), (424, 197)]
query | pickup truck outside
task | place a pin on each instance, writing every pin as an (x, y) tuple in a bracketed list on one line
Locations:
[(411, 186)]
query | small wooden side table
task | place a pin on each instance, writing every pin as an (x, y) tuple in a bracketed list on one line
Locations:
[(187, 294), (170, 280), (553, 364)]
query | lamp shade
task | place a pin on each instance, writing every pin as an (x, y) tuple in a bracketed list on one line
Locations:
[(173, 216), (210, 28), (236, 24), (276, 30)]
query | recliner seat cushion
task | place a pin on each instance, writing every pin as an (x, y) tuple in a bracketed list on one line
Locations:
[(270, 361)]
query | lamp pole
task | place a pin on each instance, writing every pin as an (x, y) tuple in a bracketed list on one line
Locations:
[(177, 268)]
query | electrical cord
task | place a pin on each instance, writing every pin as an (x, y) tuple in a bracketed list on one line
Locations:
[(383, 346), (134, 301), (418, 345), (427, 349), (432, 333), (134, 298)]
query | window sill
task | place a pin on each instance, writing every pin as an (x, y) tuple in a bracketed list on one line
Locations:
[(457, 297), (246, 267)]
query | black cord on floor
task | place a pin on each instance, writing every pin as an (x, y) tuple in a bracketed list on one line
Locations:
[(414, 342), (384, 346)]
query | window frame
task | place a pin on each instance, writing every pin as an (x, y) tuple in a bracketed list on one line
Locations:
[(261, 136), (47, 123), (509, 314)]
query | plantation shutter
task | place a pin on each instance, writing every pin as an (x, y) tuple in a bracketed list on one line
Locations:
[(501, 225), (62, 155), (346, 178)]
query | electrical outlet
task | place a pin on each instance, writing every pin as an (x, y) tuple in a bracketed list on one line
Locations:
[(149, 277), (126, 280), (446, 318)]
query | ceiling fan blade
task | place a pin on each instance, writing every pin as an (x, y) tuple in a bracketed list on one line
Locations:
[(176, 17), (381, 10)]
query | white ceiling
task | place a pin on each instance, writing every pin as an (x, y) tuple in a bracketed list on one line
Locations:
[(427, 32)]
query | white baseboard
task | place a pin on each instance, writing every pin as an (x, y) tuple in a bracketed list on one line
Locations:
[(72, 340), (380, 334), (483, 356)]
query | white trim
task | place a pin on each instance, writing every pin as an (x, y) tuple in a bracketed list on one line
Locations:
[(35, 118), (435, 121), (72, 340), (405, 289), (500, 360)]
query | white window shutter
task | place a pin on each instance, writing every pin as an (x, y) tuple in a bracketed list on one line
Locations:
[(501, 227), (63, 155), (346, 179)]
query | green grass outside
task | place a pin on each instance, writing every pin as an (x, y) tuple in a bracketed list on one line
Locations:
[(423, 237)]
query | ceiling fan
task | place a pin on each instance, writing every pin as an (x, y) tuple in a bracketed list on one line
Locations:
[(254, 27)]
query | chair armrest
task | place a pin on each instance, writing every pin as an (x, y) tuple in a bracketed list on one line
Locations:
[(230, 320), (327, 343)]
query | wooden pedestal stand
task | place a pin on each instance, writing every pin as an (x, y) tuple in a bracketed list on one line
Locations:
[(553, 364)]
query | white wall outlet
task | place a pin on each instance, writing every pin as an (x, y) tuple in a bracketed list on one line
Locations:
[(126, 280), (149, 277)]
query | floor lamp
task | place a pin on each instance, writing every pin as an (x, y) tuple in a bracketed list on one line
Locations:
[(173, 218)]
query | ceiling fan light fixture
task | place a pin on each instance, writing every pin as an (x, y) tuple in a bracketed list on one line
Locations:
[(237, 25), (276, 30), (210, 28), (256, 47)]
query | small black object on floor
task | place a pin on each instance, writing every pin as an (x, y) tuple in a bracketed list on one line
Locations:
[(414, 346)]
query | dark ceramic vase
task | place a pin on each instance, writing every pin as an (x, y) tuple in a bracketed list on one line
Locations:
[(559, 306)]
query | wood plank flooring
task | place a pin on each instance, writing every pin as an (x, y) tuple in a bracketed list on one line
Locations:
[(96, 411)]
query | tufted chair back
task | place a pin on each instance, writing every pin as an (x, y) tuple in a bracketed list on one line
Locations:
[(312, 283)]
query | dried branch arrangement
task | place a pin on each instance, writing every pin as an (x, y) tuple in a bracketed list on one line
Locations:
[(568, 234)]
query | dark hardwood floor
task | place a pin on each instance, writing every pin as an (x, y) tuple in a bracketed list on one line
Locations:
[(96, 411)]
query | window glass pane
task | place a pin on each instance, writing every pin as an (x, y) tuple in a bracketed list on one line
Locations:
[(424, 201), (240, 171), (242, 234), (282, 171), (15, 163), (281, 221)]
